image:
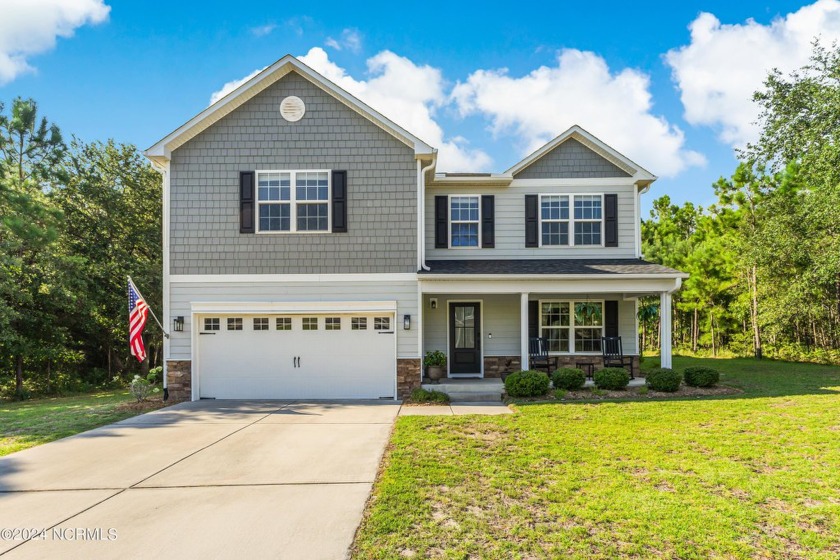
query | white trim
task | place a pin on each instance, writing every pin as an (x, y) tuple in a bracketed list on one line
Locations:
[(163, 169), (607, 152), (163, 148), (292, 308), (449, 221), (524, 346), (608, 276), (567, 285), (637, 223), (480, 339), (571, 220), (606, 182), (293, 278), (571, 326), (292, 202)]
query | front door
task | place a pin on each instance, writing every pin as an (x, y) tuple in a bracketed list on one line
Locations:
[(465, 338)]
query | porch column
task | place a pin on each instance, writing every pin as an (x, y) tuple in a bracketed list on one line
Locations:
[(523, 326), (665, 329)]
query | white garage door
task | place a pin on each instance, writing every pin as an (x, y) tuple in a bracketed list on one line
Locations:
[(316, 356)]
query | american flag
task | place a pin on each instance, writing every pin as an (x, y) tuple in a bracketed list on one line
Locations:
[(138, 311)]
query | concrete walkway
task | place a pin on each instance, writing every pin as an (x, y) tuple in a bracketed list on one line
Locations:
[(210, 479), (456, 409)]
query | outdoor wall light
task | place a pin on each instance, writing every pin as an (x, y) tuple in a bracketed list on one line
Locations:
[(406, 322), (179, 324), (433, 303)]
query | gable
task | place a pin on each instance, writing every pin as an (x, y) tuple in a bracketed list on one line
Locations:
[(571, 160)]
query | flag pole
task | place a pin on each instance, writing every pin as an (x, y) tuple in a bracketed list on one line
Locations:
[(166, 334)]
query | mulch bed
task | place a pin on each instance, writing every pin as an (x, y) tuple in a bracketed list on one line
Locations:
[(151, 403), (635, 393)]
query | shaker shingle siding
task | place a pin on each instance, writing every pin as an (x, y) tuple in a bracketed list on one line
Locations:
[(571, 160), (381, 178)]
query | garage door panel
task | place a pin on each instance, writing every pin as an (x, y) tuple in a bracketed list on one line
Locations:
[(297, 363)]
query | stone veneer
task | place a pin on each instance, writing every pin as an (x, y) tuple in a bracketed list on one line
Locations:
[(570, 361), (179, 379), (408, 376), (496, 366)]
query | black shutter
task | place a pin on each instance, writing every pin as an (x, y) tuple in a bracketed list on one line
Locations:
[(246, 202), (611, 318), (611, 220), (339, 201), (531, 221), (488, 221), (441, 222), (533, 319)]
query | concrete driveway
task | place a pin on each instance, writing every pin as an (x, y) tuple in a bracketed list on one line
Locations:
[(209, 479)]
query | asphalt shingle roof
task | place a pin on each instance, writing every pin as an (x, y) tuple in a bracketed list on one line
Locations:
[(548, 266)]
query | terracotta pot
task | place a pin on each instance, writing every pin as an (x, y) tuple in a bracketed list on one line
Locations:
[(435, 373)]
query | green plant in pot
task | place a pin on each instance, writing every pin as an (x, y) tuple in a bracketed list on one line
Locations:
[(435, 364)]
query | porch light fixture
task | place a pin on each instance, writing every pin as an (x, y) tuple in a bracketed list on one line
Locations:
[(433, 303), (179, 324), (406, 322)]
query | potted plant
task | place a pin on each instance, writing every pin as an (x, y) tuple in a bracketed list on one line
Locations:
[(435, 362)]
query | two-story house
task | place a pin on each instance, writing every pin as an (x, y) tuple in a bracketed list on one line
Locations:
[(312, 251)]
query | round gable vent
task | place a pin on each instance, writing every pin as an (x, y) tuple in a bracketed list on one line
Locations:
[(292, 108)]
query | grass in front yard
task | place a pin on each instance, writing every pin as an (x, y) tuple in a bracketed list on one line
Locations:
[(29, 423), (752, 475)]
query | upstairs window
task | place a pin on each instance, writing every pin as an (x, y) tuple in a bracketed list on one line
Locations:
[(572, 220), (293, 201), (464, 219)]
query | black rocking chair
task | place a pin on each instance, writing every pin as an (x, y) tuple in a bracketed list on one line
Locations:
[(538, 357), (613, 355)]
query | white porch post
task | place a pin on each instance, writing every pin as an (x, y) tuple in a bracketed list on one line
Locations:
[(665, 329), (523, 320)]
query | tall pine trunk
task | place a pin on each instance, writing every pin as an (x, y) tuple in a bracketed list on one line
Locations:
[(19, 375), (753, 284)]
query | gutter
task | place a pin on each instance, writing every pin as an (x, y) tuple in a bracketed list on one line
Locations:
[(679, 276), (421, 201)]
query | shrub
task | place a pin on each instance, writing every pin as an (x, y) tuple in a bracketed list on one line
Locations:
[(527, 384), (421, 395), (701, 376), (663, 379), (435, 359), (611, 379), (570, 379), (140, 388), (155, 374)]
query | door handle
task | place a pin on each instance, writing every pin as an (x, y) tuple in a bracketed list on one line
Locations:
[(206, 333)]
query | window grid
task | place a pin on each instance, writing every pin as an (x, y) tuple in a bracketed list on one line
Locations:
[(332, 324), (381, 323), (358, 323), (572, 326), (582, 226), (283, 323), (261, 323), (293, 201), (211, 324), (464, 217), (310, 323), (234, 324)]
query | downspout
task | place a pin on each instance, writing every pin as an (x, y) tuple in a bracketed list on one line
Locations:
[(163, 169), (422, 202)]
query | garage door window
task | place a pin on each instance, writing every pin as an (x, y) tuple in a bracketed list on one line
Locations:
[(381, 323), (358, 323), (261, 324), (284, 323), (234, 324), (310, 323), (332, 324), (211, 324)]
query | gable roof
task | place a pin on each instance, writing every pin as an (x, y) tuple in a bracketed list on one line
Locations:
[(607, 152), (162, 149)]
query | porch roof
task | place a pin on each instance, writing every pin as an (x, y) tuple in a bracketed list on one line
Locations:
[(573, 267)]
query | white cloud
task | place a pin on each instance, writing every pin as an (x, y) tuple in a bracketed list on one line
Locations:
[(232, 85), (723, 65), (580, 89), (29, 27), (409, 95), (350, 39), (263, 30)]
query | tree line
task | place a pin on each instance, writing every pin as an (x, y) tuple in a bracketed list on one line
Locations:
[(764, 258), (75, 219)]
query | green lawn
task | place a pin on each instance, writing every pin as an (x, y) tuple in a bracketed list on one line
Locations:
[(29, 423), (752, 475)]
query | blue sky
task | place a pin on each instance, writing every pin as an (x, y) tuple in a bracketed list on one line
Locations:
[(139, 69)]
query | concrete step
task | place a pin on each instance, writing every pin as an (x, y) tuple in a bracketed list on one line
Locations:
[(475, 397), (469, 390)]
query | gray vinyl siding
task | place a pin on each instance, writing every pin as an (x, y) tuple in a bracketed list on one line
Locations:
[(510, 224), (501, 318), (183, 294), (571, 160), (382, 183)]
